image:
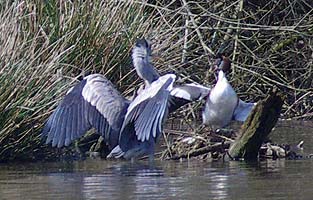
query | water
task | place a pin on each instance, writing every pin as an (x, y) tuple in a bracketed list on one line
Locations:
[(100, 179)]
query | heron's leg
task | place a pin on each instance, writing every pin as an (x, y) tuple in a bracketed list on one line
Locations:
[(151, 158), (151, 151)]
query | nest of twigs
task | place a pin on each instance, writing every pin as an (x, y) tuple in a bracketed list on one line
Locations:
[(211, 145), (203, 145)]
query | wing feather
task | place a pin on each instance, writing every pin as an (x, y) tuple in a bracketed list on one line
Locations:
[(54, 117), (151, 115), (94, 102), (161, 118), (187, 93), (149, 123), (74, 124), (148, 109), (67, 128), (68, 124), (191, 91), (62, 130), (57, 130)]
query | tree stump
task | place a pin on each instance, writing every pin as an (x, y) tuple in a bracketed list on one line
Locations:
[(257, 127)]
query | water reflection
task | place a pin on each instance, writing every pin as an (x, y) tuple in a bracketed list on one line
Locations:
[(100, 179), (164, 180), (124, 180), (219, 189)]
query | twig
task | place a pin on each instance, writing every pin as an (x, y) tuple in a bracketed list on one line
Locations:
[(205, 47), (220, 147)]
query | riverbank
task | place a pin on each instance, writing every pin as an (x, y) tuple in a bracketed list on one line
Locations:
[(47, 46)]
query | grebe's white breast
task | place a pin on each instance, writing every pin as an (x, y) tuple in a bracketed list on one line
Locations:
[(220, 104)]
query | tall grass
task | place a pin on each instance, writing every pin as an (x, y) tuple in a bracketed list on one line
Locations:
[(45, 46)]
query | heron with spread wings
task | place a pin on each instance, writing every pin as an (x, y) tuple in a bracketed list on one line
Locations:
[(130, 128), (180, 94), (95, 103), (174, 98)]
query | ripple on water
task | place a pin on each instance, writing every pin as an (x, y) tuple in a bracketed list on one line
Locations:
[(100, 179)]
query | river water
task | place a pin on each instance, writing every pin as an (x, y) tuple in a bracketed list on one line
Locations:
[(101, 179)]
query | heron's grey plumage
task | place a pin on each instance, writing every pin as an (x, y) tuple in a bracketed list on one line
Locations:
[(180, 95), (94, 102), (148, 109), (136, 125), (145, 115), (143, 122), (141, 55), (191, 91)]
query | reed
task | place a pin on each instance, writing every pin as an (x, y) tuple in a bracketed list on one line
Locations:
[(45, 47)]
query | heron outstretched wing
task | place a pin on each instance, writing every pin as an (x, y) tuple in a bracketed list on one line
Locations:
[(181, 95), (94, 102), (149, 108), (191, 91)]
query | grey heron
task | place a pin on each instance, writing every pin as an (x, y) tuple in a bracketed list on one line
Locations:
[(174, 98), (222, 104), (131, 128), (144, 120), (180, 94), (94, 102)]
